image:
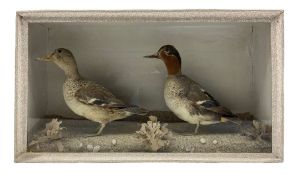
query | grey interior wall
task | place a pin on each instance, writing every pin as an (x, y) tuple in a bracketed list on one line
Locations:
[(215, 55), (37, 93), (262, 71)]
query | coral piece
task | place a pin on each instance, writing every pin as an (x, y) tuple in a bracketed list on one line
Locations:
[(154, 134), (53, 128), (257, 130), (263, 130), (52, 131), (247, 129)]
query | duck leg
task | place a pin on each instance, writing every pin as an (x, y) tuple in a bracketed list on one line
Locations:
[(98, 132), (196, 129), (101, 129)]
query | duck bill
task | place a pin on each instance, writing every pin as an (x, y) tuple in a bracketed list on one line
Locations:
[(152, 56), (45, 58)]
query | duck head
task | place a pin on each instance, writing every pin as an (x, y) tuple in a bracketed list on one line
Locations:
[(170, 56), (64, 59)]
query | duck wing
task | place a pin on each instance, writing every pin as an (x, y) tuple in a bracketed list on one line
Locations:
[(94, 94), (204, 101)]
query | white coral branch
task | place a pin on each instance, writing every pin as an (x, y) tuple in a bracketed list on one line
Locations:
[(154, 134), (52, 131)]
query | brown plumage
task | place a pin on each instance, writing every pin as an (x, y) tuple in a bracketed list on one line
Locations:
[(186, 98), (87, 98)]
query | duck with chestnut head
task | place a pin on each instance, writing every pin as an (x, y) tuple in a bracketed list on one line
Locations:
[(87, 98), (185, 97)]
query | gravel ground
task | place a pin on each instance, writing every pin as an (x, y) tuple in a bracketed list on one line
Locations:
[(119, 136)]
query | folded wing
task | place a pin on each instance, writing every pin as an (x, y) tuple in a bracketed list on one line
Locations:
[(204, 101), (94, 94)]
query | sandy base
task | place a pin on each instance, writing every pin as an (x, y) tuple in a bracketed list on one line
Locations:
[(119, 136)]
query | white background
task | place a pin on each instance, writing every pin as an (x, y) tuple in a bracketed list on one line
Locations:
[(7, 165)]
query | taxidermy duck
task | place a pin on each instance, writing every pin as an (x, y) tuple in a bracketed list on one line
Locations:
[(186, 98), (87, 98)]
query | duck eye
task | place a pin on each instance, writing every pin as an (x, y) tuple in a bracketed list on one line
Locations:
[(59, 50)]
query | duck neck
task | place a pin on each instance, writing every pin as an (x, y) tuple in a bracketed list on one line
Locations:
[(72, 73), (173, 66)]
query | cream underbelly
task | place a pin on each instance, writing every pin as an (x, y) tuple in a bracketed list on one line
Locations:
[(86, 111), (181, 112)]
